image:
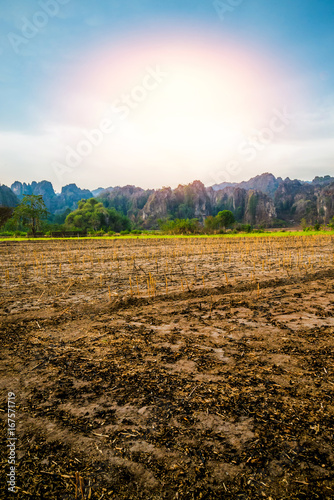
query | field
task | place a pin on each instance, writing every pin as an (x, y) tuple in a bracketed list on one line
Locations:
[(169, 368)]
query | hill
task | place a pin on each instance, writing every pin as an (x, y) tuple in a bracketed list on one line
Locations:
[(262, 200)]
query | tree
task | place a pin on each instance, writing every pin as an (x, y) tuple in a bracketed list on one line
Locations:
[(30, 212), (210, 224), (91, 214), (5, 214), (225, 218)]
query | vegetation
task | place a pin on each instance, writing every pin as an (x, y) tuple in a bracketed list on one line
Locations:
[(92, 215), (180, 226), (225, 218), (211, 225), (94, 218), (30, 213), (331, 224), (263, 200), (5, 214)]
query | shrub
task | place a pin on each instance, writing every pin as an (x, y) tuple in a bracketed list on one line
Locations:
[(246, 228), (7, 233), (279, 223)]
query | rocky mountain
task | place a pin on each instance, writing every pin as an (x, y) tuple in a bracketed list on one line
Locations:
[(313, 202), (263, 200), (129, 200), (43, 188), (266, 183), (7, 197), (249, 206), (68, 198), (184, 202), (325, 202), (287, 200), (322, 181), (96, 192), (196, 201)]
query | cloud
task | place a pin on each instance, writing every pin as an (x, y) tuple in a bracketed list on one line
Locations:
[(25, 156)]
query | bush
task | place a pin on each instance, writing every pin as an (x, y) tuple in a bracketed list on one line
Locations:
[(279, 223), (246, 228), (136, 231), (123, 233), (6, 233), (91, 232), (179, 226)]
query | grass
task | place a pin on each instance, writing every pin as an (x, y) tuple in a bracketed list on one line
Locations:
[(270, 234)]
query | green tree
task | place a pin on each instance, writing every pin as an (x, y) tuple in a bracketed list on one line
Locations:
[(91, 214), (5, 214), (30, 212), (225, 218), (210, 224), (60, 218)]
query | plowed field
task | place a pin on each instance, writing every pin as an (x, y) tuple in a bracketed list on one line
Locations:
[(169, 368)]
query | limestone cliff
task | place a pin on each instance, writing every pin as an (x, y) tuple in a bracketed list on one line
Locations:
[(7, 197)]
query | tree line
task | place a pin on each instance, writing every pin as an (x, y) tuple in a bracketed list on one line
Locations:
[(92, 216)]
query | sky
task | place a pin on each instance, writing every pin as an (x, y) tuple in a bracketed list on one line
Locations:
[(159, 93)]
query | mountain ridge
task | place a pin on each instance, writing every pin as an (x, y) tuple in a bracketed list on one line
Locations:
[(262, 200)]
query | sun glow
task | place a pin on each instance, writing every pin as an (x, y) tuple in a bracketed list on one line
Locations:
[(184, 102)]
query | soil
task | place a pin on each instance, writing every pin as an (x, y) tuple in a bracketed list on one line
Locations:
[(169, 369)]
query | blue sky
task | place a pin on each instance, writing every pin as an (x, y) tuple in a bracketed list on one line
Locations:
[(247, 87)]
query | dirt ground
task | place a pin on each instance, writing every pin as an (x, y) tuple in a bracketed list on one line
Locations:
[(169, 369)]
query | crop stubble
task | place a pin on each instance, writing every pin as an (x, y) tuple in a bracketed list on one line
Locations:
[(170, 368)]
